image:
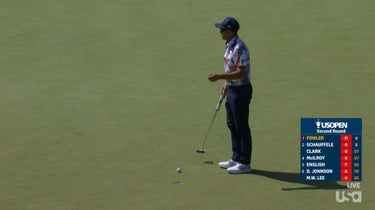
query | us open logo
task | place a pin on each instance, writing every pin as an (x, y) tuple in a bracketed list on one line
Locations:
[(327, 125)]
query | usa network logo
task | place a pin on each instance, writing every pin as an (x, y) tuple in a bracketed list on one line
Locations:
[(320, 124), (354, 196)]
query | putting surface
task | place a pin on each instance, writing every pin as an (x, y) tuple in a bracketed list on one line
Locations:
[(101, 101)]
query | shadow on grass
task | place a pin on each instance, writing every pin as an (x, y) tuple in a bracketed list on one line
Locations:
[(295, 178)]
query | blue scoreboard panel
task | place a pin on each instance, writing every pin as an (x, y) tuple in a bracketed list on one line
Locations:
[(331, 149)]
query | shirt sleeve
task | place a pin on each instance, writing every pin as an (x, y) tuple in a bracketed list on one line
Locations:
[(241, 57)]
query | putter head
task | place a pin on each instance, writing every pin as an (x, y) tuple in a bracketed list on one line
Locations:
[(201, 150)]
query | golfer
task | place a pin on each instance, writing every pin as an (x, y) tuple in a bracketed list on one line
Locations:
[(237, 87)]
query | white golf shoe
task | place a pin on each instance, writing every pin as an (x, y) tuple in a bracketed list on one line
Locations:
[(227, 164), (239, 169)]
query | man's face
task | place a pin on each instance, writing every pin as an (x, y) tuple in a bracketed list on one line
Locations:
[(226, 34)]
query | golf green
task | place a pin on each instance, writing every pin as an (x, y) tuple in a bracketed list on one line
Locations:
[(101, 101)]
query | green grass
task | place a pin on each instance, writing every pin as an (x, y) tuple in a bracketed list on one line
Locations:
[(101, 101)]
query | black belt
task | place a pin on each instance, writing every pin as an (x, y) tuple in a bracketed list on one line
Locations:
[(238, 87)]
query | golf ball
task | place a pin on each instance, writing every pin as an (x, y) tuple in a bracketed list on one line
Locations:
[(179, 170)]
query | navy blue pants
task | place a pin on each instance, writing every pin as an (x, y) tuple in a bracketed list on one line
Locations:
[(237, 106)]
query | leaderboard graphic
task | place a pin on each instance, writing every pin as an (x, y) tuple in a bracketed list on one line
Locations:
[(331, 149)]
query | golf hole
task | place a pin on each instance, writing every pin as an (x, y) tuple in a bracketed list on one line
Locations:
[(177, 183)]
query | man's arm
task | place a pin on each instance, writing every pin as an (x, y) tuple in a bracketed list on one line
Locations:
[(239, 73)]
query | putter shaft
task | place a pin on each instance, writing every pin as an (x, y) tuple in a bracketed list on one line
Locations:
[(222, 95)]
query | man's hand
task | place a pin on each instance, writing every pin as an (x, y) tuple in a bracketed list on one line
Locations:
[(239, 73), (213, 77), (224, 88)]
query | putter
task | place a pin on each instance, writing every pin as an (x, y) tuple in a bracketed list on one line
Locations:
[(202, 149)]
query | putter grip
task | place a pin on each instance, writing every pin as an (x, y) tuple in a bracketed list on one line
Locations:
[(220, 101)]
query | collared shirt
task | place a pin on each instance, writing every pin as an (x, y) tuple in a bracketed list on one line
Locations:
[(237, 54)]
